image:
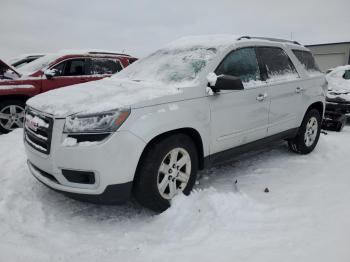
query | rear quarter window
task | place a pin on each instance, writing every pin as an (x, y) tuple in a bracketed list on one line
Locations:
[(307, 60)]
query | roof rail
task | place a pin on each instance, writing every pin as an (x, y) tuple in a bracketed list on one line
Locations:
[(269, 39), (106, 53)]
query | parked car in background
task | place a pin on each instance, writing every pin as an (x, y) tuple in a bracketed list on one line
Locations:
[(194, 103), (22, 60), (49, 72), (338, 98)]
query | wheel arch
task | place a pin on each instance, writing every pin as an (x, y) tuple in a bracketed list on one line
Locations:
[(318, 106), (191, 132), (23, 98)]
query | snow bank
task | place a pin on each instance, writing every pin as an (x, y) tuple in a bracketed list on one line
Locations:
[(304, 217)]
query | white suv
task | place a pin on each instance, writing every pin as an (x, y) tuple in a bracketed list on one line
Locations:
[(148, 129)]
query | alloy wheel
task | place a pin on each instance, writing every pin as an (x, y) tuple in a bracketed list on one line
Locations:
[(311, 131), (11, 117), (174, 173)]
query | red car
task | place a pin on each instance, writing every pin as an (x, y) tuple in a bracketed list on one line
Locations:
[(49, 72)]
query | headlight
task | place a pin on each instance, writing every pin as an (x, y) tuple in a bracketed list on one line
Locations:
[(105, 122)]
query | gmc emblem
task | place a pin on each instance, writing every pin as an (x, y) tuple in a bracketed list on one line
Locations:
[(32, 125)]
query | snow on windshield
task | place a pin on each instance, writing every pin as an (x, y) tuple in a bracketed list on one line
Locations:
[(336, 80), (171, 66), (38, 64)]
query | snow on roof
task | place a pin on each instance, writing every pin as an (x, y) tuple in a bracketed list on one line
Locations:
[(89, 51), (221, 40), (204, 40)]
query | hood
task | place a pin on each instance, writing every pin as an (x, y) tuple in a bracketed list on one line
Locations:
[(4, 67), (103, 95)]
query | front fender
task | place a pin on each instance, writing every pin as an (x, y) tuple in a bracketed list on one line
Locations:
[(20, 87), (149, 122)]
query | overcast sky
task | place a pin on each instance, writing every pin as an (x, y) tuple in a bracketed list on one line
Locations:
[(139, 27)]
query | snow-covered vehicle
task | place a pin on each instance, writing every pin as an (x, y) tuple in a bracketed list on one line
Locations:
[(338, 98), (49, 72), (22, 60), (149, 128)]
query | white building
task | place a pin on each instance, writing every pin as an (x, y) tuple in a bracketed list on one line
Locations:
[(331, 55)]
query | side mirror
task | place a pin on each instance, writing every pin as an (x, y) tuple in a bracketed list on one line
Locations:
[(224, 82), (50, 73)]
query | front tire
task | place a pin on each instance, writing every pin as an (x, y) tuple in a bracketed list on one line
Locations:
[(11, 115), (308, 134), (168, 167)]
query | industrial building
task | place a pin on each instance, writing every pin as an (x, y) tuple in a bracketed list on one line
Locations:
[(331, 55)]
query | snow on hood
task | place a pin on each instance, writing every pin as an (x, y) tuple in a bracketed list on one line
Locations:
[(165, 72), (98, 96)]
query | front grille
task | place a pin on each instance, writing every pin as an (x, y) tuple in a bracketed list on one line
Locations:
[(38, 130)]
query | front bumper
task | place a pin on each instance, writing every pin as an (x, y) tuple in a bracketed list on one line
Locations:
[(338, 107), (112, 161)]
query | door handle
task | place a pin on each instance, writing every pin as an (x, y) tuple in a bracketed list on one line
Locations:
[(299, 90), (261, 97)]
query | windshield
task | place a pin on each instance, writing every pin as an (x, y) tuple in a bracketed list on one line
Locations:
[(170, 66), (37, 64)]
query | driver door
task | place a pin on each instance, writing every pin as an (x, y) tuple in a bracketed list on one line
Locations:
[(240, 116)]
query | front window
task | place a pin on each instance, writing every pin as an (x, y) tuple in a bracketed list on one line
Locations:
[(241, 63), (170, 66), (72, 67)]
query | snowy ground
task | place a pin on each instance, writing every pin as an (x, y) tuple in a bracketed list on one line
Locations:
[(304, 217)]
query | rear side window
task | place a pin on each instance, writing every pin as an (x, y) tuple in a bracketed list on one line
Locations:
[(277, 64), (241, 63), (105, 66), (347, 75), (307, 60)]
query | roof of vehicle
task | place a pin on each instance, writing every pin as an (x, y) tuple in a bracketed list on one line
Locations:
[(222, 40), (90, 52)]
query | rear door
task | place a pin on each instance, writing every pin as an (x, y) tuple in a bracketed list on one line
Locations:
[(239, 116), (69, 72), (284, 87)]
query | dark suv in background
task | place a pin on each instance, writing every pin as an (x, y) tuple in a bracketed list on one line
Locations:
[(50, 72)]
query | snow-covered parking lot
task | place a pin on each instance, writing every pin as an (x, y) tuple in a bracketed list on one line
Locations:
[(304, 217)]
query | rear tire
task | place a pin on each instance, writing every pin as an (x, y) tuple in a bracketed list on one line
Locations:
[(11, 115), (168, 167), (308, 134), (339, 126)]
